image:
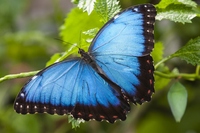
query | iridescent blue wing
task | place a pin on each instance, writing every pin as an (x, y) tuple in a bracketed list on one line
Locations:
[(123, 70), (122, 50), (72, 87)]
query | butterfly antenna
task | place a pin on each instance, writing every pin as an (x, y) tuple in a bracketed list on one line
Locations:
[(67, 43)]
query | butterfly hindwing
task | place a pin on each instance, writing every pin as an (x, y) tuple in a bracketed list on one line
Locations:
[(72, 87), (122, 50)]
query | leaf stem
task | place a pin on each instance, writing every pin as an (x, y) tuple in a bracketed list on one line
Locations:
[(163, 60), (178, 75), (19, 75)]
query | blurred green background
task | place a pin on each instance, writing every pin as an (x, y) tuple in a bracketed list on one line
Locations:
[(28, 29)]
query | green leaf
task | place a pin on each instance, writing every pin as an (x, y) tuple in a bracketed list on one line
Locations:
[(177, 13), (91, 32), (75, 122), (160, 82), (165, 3), (107, 9), (86, 5), (77, 22), (53, 59), (190, 52), (188, 3), (177, 98), (157, 52)]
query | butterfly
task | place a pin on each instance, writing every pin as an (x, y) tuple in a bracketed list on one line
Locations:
[(100, 84)]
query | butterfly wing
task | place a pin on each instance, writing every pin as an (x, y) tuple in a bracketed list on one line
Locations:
[(72, 87), (122, 50)]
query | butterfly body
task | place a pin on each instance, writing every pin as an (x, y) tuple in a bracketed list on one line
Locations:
[(116, 70)]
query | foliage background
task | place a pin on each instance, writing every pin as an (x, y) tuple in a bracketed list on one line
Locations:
[(27, 41)]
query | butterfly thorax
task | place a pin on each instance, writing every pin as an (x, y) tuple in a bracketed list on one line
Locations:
[(89, 60), (85, 56)]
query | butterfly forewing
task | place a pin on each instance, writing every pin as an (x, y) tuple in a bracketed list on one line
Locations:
[(122, 50)]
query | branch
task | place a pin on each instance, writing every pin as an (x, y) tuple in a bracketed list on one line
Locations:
[(20, 75), (187, 76)]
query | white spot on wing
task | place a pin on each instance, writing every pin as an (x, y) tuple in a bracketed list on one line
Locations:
[(34, 77), (22, 95), (136, 9), (115, 17)]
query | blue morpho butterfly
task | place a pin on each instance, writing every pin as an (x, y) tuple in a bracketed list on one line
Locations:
[(116, 70)]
